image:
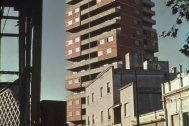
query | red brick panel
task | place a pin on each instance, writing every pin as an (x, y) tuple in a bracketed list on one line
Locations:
[(73, 83), (127, 44), (131, 32), (73, 18), (134, 3), (152, 46), (107, 45), (73, 46), (104, 2), (74, 109), (152, 41), (151, 35), (131, 11), (131, 21)]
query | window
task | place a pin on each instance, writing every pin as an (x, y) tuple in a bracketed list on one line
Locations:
[(101, 91), (186, 119), (92, 97), (69, 42), (101, 115), (77, 49), (88, 121), (153, 43), (138, 32), (87, 99), (70, 82), (70, 22), (101, 41), (137, 11), (76, 80), (109, 50), (69, 103), (109, 116), (74, 72), (69, 52), (77, 112), (126, 109), (77, 39), (77, 102), (93, 118), (108, 87), (76, 10), (98, 1), (137, 42), (69, 13), (135, 21), (76, 19), (110, 39), (175, 120), (69, 113), (152, 34), (100, 53)]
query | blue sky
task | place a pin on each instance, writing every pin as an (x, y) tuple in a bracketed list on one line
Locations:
[(53, 62)]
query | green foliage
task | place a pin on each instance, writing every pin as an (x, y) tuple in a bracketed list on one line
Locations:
[(180, 8)]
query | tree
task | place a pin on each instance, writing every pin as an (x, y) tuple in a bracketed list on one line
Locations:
[(180, 8)]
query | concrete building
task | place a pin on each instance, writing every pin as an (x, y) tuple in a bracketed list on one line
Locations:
[(118, 95), (105, 104), (101, 32), (176, 100), (149, 106)]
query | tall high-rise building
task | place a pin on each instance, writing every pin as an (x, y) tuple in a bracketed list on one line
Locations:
[(101, 32)]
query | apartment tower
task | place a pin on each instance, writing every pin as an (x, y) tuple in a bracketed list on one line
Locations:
[(101, 32)]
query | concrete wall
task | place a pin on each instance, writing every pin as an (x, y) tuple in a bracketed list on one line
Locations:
[(127, 97), (176, 100), (117, 78), (156, 65), (100, 103)]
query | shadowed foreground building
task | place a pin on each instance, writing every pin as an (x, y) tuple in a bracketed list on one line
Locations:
[(101, 32), (53, 113)]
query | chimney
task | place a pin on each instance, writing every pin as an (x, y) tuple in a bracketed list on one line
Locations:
[(174, 70)]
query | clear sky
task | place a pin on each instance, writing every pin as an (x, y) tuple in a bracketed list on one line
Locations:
[(53, 62)]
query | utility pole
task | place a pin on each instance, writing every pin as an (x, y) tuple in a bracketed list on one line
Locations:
[(136, 94)]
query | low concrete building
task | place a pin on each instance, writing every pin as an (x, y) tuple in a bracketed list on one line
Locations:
[(147, 100), (176, 100), (104, 107)]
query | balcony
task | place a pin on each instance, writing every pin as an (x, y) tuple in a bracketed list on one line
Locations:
[(149, 20), (83, 106), (87, 51), (82, 63), (83, 117), (86, 83), (95, 7), (149, 29), (79, 95), (148, 2), (149, 11), (101, 15), (77, 5), (95, 28), (112, 32), (92, 71)]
